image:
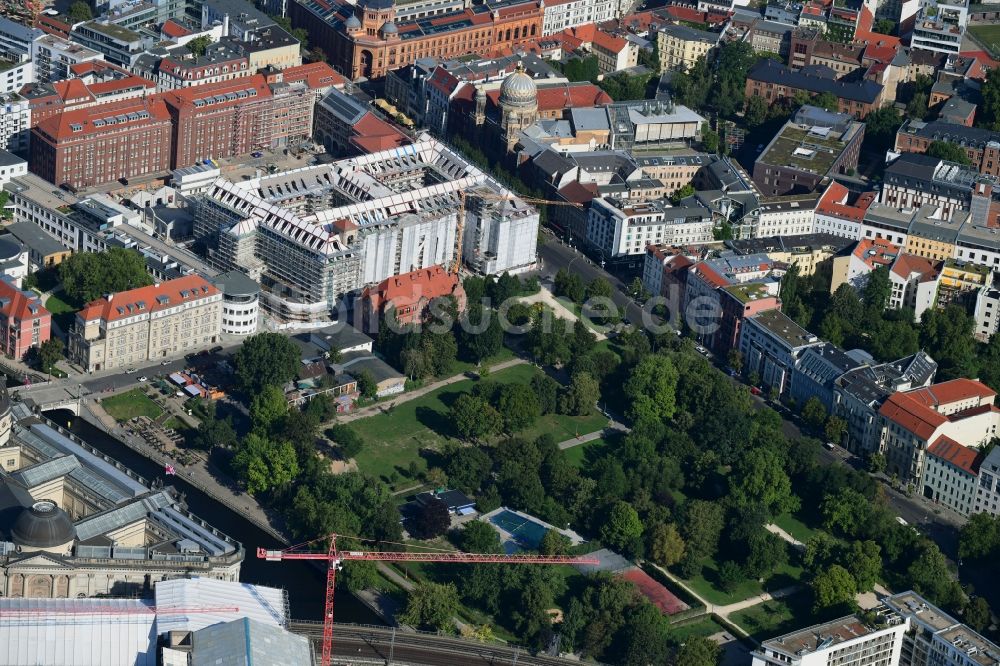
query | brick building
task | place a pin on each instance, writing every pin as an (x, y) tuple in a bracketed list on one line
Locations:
[(775, 82), (101, 144), (364, 40), (24, 322), (88, 146), (159, 321), (409, 295), (980, 145)]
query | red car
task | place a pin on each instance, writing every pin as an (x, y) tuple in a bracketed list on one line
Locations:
[(754, 390)]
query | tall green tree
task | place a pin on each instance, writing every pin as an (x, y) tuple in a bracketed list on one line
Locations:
[(651, 389), (666, 545), (263, 464), (988, 115), (946, 150), (431, 606), (79, 11), (86, 276), (199, 45), (580, 397), (268, 408), (759, 480), (474, 418), (623, 530), (947, 335), (698, 651), (266, 359), (833, 587)]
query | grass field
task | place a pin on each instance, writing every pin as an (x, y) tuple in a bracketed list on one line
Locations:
[(703, 628), (62, 312), (778, 617), (395, 439), (988, 36), (581, 454), (125, 406), (793, 524), (705, 584)]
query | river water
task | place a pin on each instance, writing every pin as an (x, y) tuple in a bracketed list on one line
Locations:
[(304, 581)]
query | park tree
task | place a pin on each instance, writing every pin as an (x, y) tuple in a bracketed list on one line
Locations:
[(213, 431), (268, 408), (357, 576), (347, 439), (266, 359), (731, 574), (79, 11), (87, 276), (666, 545), (569, 285), (518, 406), (476, 346), (929, 575), (431, 520), (845, 512), (651, 389), (431, 606), (367, 386), (947, 335), (733, 63), (263, 465), (766, 553), (833, 587), (698, 651), (622, 530), (814, 413), (468, 468), (580, 397), (479, 537), (977, 614), (946, 150), (474, 418), (702, 526), (864, 561), (646, 637), (979, 537), (49, 353), (759, 480), (554, 543)]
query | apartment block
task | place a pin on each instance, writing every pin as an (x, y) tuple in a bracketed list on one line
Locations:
[(24, 321), (848, 640), (771, 344), (118, 45), (981, 145), (910, 422), (619, 228), (950, 475), (775, 82), (558, 15), (163, 320), (933, 638), (15, 123), (913, 180), (680, 46), (54, 56)]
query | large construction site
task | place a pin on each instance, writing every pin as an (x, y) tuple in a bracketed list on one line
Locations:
[(316, 234)]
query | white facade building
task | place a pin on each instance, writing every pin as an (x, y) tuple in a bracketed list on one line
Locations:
[(240, 303), (987, 498), (53, 56), (11, 166), (848, 640), (561, 14), (621, 228), (771, 344), (15, 123), (787, 216)]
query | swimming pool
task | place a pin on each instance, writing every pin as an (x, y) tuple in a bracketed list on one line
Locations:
[(527, 533)]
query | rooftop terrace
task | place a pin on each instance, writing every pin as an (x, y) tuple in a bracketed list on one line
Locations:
[(811, 149)]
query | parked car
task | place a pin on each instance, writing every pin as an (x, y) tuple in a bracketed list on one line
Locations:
[(755, 390), (830, 445), (167, 362), (130, 371), (144, 378)]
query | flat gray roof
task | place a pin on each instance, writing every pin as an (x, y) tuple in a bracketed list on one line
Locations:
[(235, 283)]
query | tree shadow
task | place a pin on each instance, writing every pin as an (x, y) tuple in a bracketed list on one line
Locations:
[(435, 421)]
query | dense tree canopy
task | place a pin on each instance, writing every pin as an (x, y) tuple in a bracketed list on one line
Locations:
[(266, 359), (86, 276)]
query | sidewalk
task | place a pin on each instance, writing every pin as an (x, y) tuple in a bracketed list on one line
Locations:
[(373, 410)]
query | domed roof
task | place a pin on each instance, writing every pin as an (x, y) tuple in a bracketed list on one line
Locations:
[(353, 23), (43, 525), (518, 89), (389, 28), (9, 249)]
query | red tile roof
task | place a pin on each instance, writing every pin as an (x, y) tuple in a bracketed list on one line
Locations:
[(20, 305), (578, 192), (609, 43), (410, 288), (834, 202), (173, 29), (962, 457), (148, 299), (955, 390), (185, 97), (372, 134), (315, 74), (876, 252), (563, 96), (710, 275), (908, 264), (61, 127), (912, 415)]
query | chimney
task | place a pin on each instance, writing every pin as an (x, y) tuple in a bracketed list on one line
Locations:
[(225, 25)]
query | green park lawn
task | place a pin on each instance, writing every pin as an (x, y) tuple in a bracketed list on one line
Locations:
[(793, 524), (700, 628), (706, 583), (777, 617), (395, 439), (989, 35), (62, 312), (581, 454), (130, 404)]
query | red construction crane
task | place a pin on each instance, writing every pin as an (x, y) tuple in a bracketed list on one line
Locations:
[(334, 557)]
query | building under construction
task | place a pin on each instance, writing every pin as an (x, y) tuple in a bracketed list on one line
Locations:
[(316, 234)]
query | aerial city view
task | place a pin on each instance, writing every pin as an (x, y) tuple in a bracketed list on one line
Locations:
[(499, 332)]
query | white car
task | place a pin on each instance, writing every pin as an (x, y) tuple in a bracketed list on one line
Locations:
[(143, 378), (130, 371)]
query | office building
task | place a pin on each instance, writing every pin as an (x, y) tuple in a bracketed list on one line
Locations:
[(557, 15), (619, 227), (54, 56), (315, 234), (366, 40), (913, 180), (939, 25), (240, 303), (853, 639), (15, 123), (119, 46), (771, 344), (163, 320), (815, 145)]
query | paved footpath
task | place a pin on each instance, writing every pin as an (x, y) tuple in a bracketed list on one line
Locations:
[(379, 408)]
